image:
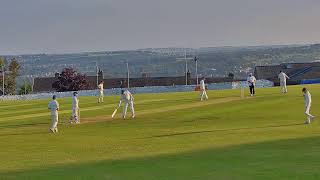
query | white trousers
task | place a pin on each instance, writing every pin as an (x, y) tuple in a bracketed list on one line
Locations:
[(75, 114), (125, 108), (283, 86), (203, 93), (100, 97), (54, 121), (307, 112)]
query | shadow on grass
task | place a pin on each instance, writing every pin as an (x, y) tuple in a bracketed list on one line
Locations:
[(223, 130), (24, 134), (21, 125), (8, 126), (283, 159), (156, 136)]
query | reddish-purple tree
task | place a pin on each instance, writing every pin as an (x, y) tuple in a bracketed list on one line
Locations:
[(70, 80)]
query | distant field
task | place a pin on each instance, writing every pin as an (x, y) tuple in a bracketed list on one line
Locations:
[(174, 136)]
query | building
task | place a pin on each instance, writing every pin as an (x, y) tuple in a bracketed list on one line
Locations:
[(296, 71)]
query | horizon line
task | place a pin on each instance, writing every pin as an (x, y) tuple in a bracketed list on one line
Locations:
[(140, 49)]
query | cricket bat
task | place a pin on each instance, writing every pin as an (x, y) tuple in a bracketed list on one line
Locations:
[(114, 112)]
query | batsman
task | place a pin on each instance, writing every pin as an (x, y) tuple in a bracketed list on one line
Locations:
[(128, 99)]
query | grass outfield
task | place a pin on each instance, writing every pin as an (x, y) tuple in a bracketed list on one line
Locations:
[(174, 136)]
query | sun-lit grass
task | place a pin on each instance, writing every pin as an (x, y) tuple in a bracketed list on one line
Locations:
[(174, 136)]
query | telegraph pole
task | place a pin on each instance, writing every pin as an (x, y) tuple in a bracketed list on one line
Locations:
[(128, 75), (186, 61), (196, 60)]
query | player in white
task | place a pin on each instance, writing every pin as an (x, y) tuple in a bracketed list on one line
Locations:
[(75, 109), (252, 83), (283, 81), (53, 106), (101, 95), (128, 99), (307, 103), (203, 92)]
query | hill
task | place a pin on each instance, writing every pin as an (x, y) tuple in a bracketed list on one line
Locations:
[(216, 61), (174, 136)]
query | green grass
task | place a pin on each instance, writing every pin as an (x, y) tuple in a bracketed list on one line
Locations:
[(174, 136)]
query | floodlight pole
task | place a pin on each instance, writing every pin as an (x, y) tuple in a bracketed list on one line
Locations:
[(25, 86), (128, 74), (196, 60), (97, 73), (32, 83), (197, 72), (185, 57)]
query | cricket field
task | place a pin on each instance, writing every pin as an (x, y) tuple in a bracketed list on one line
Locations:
[(174, 136)]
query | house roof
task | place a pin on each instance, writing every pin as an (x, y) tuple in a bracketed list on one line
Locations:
[(299, 70)]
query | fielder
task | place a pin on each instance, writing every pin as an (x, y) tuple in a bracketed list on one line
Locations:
[(75, 109), (128, 99), (203, 92), (252, 83), (307, 102), (53, 106), (283, 81), (101, 95)]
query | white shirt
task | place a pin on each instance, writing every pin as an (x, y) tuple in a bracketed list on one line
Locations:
[(307, 98), (251, 80), (283, 77), (75, 102), (53, 106), (100, 86), (202, 85), (126, 96)]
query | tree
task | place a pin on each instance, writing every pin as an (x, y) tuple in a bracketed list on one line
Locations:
[(14, 67), (231, 75), (70, 80), (25, 89), (2, 63), (10, 79)]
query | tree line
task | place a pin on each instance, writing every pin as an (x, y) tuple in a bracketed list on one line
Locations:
[(9, 73), (68, 80)]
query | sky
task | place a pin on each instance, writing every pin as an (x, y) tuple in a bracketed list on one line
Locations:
[(67, 26)]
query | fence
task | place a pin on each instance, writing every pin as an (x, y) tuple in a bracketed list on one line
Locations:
[(310, 81), (139, 90)]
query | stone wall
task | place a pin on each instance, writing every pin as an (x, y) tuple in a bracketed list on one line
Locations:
[(44, 84)]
